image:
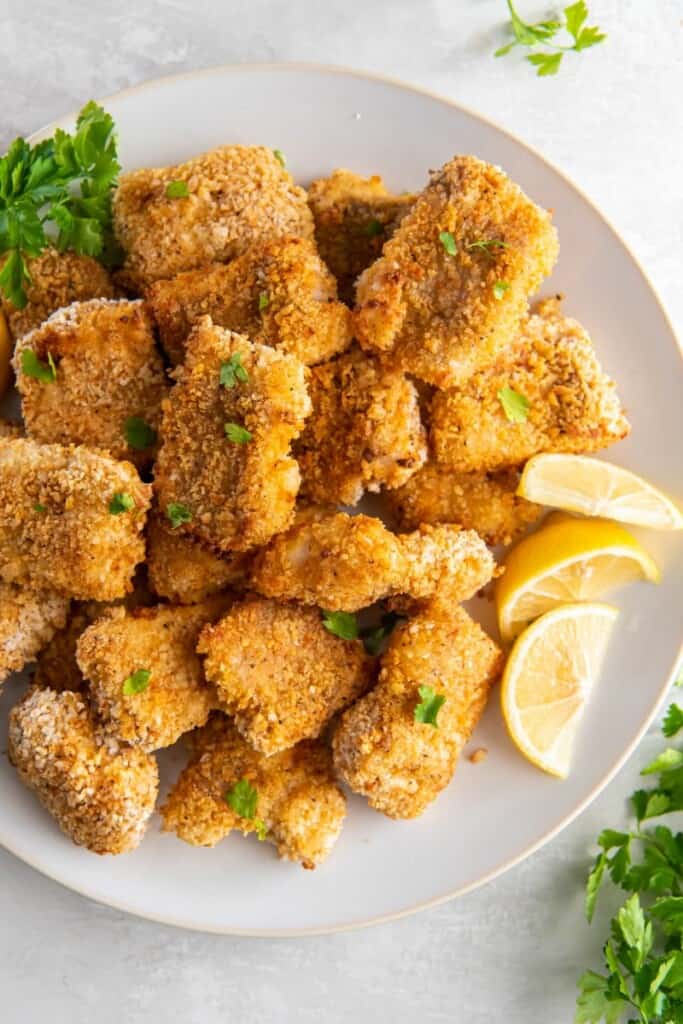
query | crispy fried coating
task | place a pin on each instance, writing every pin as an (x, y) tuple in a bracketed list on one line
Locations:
[(8, 428), (28, 620), (238, 494), (444, 561), (280, 672), (102, 798), (56, 666), (162, 641), (379, 749), (364, 431), (278, 293), (354, 217), (436, 314), (56, 530), (485, 502), (573, 405), (57, 280), (238, 195), (299, 806), (107, 370)]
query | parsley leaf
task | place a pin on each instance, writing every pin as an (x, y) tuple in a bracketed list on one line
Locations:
[(261, 829), (448, 242), (32, 366), (545, 63), (137, 682), (177, 190), (139, 435), (373, 228), (39, 508), (263, 301), (543, 33), (428, 708), (487, 245), (177, 514), (515, 406), (232, 371), (673, 720), (121, 502), (280, 157), (341, 624), (237, 434), (499, 289), (243, 798)]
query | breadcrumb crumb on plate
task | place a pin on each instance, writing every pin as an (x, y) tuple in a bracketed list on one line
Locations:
[(28, 621)]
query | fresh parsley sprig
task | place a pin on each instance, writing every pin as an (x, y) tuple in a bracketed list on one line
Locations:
[(543, 34)]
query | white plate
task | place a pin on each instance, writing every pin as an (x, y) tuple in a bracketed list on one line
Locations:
[(498, 811)]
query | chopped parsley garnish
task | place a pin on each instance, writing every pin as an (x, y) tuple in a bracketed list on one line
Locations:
[(39, 508), (374, 228), (374, 637), (499, 289), (515, 406), (177, 190), (487, 245), (280, 157), (139, 435), (430, 705), (543, 32), (232, 371), (263, 301), (243, 798), (121, 502), (32, 366), (341, 624), (448, 242), (137, 682), (261, 829), (237, 434), (177, 514)]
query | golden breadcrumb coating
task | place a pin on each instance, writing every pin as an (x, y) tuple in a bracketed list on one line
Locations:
[(101, 797), (353, 217), (435, 314), (573, 405), (56, 667), (445, 560), (485, 502), (162, 641), (57, 279), (364, 432), (107, 370), (238, 494), (379, 749), (280, 672), (56, 530), (299, 806), (238, 195), (8, 428), (277, 293), (28, 620), (183, 571)]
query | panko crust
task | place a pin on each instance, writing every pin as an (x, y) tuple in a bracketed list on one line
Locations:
[(161, 640), (239, 495), (573, 405), (75, 546), (102, 798), (485, 502), (278, 293), (364, 432), (280, 673), (57, 280), (9, 428), (443, 561), (238, 195), (379, 749), (107, 370), (354, 216), (28, 621), (299, 803), (56, 667), (435, 314)]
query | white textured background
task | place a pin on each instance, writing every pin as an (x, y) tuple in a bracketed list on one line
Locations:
[(612, 120)]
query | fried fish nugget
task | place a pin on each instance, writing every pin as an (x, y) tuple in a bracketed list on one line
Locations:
[(379, 749), (277, 293), (444, 560), (56, 528), (280, 672), (56, 667), (107, 371), (239, 490), (28, 621), (162, 642), (101, 798), (485, 502), (57, 279), (299, 807), (10, 429), (353, 217), (237, 195), (448, 293), (364, 432), (573, 405)]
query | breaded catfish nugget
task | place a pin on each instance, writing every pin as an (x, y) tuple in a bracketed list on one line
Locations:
[(280, 672), (444, 560), (209, 209), (101, 798), (28, 621), (224, 464), (278, 293), (290, 799), (448, 293), (354, 217), (71, 519), (572, 406), (364, 431), (380, 749), (102, 379)]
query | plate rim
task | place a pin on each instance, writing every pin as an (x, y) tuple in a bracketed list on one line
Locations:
[(285, 933)]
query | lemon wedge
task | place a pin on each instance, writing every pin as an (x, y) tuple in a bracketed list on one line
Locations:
[(548, 679), (579, 484), (566, 560)]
